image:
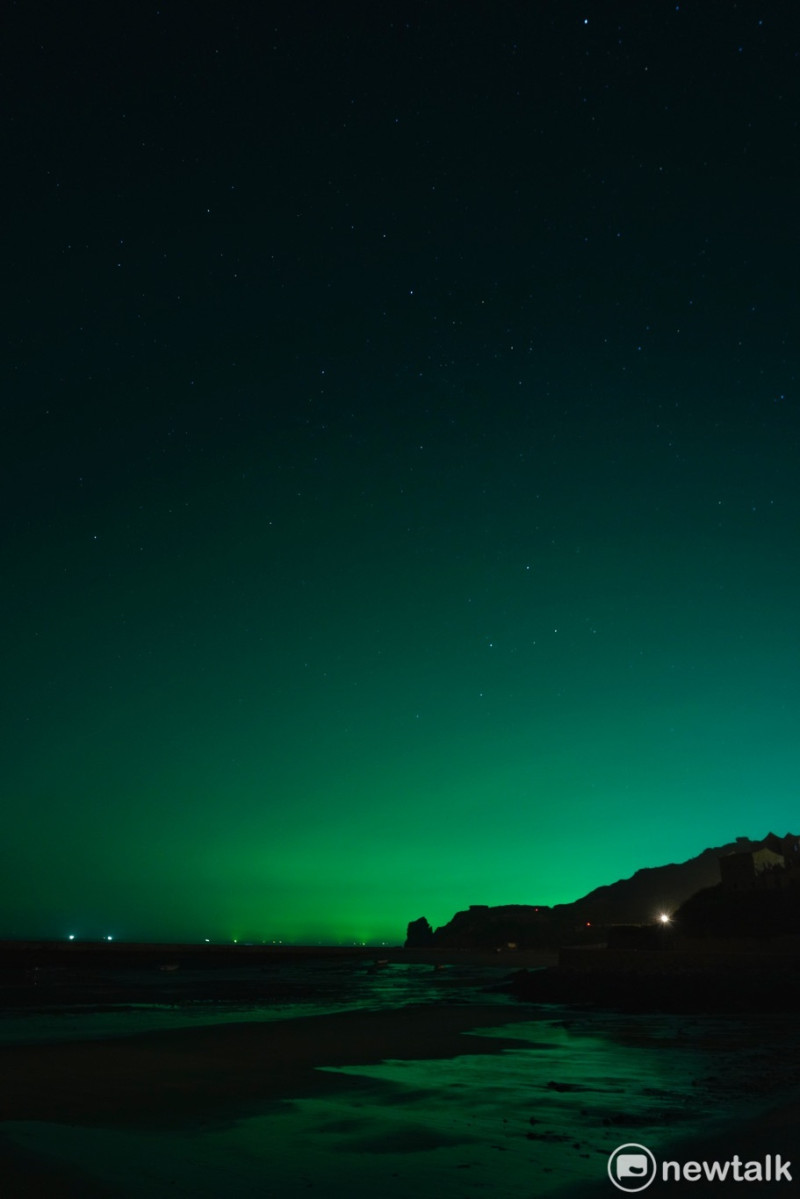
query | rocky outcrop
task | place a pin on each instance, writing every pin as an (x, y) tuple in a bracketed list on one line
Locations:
[(419, 934)]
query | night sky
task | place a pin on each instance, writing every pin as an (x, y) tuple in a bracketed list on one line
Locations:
[(400, 424)]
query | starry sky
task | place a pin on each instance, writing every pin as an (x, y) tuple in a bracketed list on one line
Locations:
[(400, 424)]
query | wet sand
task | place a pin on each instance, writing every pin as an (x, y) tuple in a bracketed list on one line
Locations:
[(170, 1079), (365, 1103), (203, 1080)]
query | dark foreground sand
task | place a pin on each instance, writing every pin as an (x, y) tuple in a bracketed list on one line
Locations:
[(771, 1133), (196, 1078), (187, 1091), (175, 1078)]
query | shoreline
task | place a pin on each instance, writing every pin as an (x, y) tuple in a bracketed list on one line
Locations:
[(223, 1071), (196, 1082), (70, 1111)]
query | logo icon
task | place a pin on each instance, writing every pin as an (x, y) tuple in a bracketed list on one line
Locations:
[(631, 1168)]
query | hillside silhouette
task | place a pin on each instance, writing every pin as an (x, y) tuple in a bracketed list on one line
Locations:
[(643, 898)]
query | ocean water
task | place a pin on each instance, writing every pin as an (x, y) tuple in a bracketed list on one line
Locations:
[(124, 1002), (539, 1118)]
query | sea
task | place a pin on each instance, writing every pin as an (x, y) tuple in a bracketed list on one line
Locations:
[(548, 1116)]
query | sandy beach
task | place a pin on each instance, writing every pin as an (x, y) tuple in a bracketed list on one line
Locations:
[(442, 1101), (202, 1080), (173, 1079)]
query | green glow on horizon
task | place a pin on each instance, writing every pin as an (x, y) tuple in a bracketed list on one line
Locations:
[(409, 522)]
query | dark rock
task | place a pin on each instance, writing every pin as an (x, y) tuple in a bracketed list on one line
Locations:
[(419, 934)]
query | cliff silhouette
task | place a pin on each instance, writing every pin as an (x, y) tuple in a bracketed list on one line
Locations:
[(640, 899)]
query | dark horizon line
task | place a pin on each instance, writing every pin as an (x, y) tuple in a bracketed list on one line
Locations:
[(116, 942)]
